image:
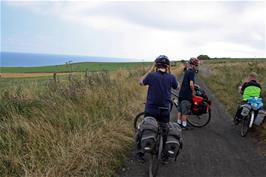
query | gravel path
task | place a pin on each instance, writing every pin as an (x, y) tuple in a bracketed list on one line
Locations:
[(216, 150)]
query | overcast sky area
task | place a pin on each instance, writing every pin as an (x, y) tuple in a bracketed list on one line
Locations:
[(139, 30)]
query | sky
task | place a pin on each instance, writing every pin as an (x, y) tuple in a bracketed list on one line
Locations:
[(135, 29)]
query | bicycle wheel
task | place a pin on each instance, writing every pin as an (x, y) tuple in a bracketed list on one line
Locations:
[(155, 158), (138, 119), (244, 126), (199, 120)]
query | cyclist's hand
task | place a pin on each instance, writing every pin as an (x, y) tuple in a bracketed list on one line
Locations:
[(152, 67), (168, 69)]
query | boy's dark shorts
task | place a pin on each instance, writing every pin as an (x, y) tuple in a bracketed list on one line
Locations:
[(184, 107)]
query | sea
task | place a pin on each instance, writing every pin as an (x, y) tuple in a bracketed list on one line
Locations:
[(16, 59)]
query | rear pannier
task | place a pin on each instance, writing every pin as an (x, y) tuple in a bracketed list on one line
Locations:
[(260, 117), (199, 105), (174, 140), (148, 130)]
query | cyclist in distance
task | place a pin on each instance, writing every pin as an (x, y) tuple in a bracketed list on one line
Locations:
[(160, 82), (250, 88), (186, 92), (185, 63)]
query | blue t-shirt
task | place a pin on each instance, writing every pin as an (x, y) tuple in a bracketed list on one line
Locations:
[(185, 92), (159, 91)]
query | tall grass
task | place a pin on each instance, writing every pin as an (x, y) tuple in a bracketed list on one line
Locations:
[(79, 126), (225, 77), (75, 127)]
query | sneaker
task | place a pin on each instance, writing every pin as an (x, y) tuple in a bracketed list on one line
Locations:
[(140, 157), (188, 127), (184, 123)]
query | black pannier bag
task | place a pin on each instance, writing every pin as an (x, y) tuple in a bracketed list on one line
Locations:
[(174, 140), (148, 132)]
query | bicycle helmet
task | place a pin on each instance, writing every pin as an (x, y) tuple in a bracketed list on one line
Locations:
[(194, 61), (162, 61)]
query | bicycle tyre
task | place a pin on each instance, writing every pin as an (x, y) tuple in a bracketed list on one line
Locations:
[(194, 120), (244, 126), (138, 119), (155, 158)]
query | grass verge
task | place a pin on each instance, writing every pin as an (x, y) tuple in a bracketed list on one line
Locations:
[(75, 127), (78, 126)]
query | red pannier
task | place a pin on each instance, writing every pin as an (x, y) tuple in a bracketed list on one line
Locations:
[(199, 105)]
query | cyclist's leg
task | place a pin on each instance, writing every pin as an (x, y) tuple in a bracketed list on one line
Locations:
[(164, 118), (179, 121), (185, 106), (238, 115)]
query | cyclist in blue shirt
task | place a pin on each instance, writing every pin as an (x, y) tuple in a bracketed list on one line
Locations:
[(186, 92), (160, 83)]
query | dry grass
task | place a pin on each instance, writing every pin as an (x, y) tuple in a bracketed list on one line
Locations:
[(76, 127), (224, 79), (80, 127)]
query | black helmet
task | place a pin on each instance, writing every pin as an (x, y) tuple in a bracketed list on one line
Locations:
[(162, 61)]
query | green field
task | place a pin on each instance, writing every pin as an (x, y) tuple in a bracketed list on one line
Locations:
[(75, 67)]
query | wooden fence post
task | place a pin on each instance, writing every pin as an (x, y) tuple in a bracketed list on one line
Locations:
[(54, 76)]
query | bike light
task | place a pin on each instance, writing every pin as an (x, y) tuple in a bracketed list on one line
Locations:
[(147, 148), (171, 152)]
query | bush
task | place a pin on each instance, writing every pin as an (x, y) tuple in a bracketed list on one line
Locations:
[(203, 57)]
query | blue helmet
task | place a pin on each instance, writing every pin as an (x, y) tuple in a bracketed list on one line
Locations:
[(162, 61)]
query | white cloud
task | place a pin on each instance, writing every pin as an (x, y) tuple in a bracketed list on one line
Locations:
[(177, 29)]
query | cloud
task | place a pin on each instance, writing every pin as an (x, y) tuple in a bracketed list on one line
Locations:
[(145, 29)]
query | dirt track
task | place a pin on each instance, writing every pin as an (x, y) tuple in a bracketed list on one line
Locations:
[(216, 150)]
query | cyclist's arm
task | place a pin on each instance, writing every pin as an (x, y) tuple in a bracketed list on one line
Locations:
[(145, 75), (168, 69), (242, 88), (191, 84), (175, 83)]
